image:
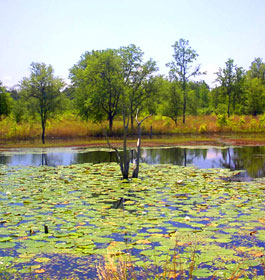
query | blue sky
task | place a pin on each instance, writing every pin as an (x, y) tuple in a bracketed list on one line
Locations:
[(57, 32)]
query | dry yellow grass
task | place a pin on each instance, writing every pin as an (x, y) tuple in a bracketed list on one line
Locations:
[(71, 127)]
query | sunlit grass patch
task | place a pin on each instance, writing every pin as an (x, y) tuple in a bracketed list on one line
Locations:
[(70, 126)]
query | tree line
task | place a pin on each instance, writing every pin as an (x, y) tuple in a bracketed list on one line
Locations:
[(109, 83)]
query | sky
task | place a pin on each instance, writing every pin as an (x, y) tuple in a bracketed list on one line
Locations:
[(58, 32)]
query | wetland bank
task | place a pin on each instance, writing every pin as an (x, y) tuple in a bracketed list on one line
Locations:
[(175, 221), (191, 205)]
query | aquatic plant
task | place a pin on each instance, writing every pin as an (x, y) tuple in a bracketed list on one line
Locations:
[(91, 213)]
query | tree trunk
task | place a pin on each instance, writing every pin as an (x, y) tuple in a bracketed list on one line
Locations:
[(184, 102), (229, 103), (110, 125), (139, 130), (126, 158), (132, 121), (43, 124), (184, 110), (136, 170)]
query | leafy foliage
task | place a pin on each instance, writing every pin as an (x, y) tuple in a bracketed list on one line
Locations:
[(138, 79), (42, 90), (112, 83), (5, 101), (173, 100), (97, 79), (181, 68)]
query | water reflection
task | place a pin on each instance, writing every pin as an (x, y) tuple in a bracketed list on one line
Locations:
[(51, 159), (251, 159)]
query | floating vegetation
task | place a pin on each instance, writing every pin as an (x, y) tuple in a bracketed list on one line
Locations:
[(62, 221)]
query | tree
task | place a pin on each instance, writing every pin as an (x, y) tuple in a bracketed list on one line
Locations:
[(111, 82), (238, 96), (43, 91), (124, 158), (257, 69), (5, 102), (255, 96), (98, 82), (227, 77), (181, 68), (137, 78), (199, 102), (255, 88), (172, 100)]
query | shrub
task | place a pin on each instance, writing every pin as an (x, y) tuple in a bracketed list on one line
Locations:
[(242, 121), (253, 124), (203, 128), (262, 121), (221, 120)]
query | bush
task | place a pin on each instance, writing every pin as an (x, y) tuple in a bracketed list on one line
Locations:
[(242, 121), (222, 120), (203, 128), (262, 121), (253, 124)]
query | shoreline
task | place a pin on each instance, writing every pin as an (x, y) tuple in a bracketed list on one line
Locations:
[(255, 139)]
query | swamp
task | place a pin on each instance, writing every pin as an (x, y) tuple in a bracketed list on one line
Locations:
[(123, 163), (193, 213)]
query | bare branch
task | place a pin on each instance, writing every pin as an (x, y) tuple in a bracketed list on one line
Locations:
[(140, 122), (110, 146)]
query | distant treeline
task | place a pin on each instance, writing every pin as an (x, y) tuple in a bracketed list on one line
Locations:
[(118, 82)]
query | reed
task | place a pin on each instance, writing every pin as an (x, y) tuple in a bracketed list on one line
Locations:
[(69, 126), (176, 267)]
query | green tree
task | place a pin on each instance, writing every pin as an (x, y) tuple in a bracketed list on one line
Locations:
[(153, 87), (255, 96), (201, 102), (98, 82), (181, 68), (172, 100), (218, 100), (239, 92), (138, 80), (43, 92), (257, 69), (231, 80), (106, 83), (5, 101), (20, 110)]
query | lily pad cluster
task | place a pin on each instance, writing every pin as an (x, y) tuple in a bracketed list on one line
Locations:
[(86, 212)]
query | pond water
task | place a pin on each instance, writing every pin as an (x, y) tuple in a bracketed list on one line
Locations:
[(91, 214), (251, 159), (164, 221)]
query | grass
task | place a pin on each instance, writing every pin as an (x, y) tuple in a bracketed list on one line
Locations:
[(70, 130), (122, 268), (71, 126)]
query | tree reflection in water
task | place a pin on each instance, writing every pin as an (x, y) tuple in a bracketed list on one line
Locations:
[(251, 159), (5, 159)]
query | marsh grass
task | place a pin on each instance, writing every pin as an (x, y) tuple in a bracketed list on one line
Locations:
[(176, 267), (69, 126)]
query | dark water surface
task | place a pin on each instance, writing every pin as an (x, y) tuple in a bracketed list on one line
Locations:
[(251, 159)]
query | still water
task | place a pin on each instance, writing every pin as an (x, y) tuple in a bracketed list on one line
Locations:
[(251, 159)]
